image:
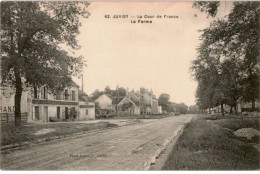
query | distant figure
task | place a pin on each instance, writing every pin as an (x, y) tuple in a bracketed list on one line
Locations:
[(195, 16)]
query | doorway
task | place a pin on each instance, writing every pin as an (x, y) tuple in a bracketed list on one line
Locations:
[(66, 113), (58, 112), (45, 113), (36, 112)]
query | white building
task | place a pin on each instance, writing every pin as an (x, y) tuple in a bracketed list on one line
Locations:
[(40, 105), (105, 101)]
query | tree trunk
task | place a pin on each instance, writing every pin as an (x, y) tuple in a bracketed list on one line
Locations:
[(235, 107), (222, 109), (18, 96), (253, 104)]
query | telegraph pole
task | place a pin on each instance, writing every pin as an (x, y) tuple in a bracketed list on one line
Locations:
[(82, 82), (117, 100)]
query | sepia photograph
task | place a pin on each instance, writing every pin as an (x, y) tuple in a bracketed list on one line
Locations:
[(130, 86)]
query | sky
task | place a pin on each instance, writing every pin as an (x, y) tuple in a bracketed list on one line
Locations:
[(153, 55)]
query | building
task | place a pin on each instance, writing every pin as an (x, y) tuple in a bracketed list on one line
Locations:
[(136, 103), (243, 106), (150, 101), (40, 105), (130, 105), (86, 107), (46, 106), (105, 101)]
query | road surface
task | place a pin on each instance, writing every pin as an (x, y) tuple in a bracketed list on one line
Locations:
[(124, 148)]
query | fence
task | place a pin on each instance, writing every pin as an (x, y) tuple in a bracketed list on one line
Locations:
[(9, 117)]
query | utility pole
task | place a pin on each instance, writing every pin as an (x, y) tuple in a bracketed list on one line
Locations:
[(82, 82), (117, 100)]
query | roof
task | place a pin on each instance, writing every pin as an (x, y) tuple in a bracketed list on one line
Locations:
[(131, 100), (117, 100), (108, 95), (82, 93), (135, 102), (83, 96), (72, 83)]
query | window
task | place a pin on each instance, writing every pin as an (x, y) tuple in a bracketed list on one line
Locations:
[(58, 96), (86, 111), (36, 113), (73, 96), (66, 94), (58, 112), (45, 93)]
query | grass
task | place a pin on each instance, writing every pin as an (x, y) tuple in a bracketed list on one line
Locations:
[(10, 134), (235, 124), (205, 145)]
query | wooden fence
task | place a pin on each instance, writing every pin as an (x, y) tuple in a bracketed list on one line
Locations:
[(9, 117)]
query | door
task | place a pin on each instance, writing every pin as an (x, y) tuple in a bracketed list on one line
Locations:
[(36, 113), (45, 113), (66, 113), (58, 112)]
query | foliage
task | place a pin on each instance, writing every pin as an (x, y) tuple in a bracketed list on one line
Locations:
[(108, 90), (208, 7), (181, 108), (170, 107), (226, 67), (164, 100), (120, 92), (193, 109), (96, 94), (33, 40), (32, 37)]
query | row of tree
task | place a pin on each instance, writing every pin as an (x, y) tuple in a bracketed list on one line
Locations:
[(227, 65), (167, 105)]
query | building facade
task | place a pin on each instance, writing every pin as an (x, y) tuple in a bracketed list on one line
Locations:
[(40, 105)]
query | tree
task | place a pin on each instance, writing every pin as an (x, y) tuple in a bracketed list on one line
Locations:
[(208, 7), (119, 92), (34, 35), (108, 90), (170, 107), (96, 94), (228, 53), (164, 100), (193, 109), (181, 108)]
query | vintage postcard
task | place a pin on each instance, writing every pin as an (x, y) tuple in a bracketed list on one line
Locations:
[(119, 86)]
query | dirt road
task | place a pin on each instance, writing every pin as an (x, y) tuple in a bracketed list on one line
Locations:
[(125, 148)]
